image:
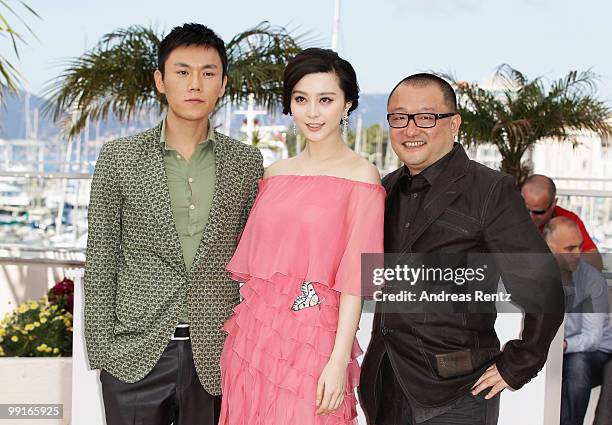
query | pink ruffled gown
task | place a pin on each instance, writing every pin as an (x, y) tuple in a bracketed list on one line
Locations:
[(300, 249)]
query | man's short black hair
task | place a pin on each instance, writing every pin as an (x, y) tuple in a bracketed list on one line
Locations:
[(191, 35), (315, 60), (424, 79)]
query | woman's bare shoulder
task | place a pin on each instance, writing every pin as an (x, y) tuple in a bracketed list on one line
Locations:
[(282, 166), (362, 170)]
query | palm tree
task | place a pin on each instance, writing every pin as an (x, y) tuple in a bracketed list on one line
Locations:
[(10, 78), (116, 76), (523, 112)]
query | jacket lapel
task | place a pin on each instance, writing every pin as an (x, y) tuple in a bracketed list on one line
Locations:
[(443, 192), (223, 165), (156, 183)]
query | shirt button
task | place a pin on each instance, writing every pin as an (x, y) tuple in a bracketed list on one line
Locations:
[(407, 225), (192, 207), (178, 157), (190, 179), (384, 330), (415, 195)]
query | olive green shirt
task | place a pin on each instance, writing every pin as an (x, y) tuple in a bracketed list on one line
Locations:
[(191, 184)]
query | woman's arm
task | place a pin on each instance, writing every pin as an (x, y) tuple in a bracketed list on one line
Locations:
[(332, 382)]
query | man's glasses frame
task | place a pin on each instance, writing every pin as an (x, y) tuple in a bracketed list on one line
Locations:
[(415, 118)]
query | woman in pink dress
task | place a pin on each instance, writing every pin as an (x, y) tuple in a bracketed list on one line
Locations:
[(290, 355)]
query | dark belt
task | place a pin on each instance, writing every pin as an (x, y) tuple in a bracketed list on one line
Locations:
[(181, 332)]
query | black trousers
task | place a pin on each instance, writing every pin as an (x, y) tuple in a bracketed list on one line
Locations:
[(395, 408), (170, 394)]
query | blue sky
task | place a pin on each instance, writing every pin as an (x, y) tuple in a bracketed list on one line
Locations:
[(385, 40)]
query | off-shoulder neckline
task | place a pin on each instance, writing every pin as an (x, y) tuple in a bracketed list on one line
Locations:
[(312, 176)]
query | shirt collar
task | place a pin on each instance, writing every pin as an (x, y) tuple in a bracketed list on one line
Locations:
[(164, 142)]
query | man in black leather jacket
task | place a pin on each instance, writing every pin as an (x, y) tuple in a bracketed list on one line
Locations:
[(447, 368)]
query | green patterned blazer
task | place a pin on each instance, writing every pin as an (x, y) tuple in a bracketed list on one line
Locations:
[(135, 276)]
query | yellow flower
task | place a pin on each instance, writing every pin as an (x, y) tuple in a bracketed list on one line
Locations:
[(33, 305), (53, 307), (49, 349), (43, 320), (14, 338), (36, 324), (23, 308), (55, 350), (29, 327), (39, 348), (2, 332), (1, 352)]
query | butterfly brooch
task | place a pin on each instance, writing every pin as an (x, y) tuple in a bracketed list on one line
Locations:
[(308, 297)]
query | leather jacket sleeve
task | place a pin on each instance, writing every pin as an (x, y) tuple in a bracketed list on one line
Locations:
[(530, 274)]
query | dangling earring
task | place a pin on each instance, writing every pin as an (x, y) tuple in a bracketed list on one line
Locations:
[(294, 129), (344, 124)]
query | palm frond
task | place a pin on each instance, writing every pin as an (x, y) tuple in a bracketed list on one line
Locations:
[(511, 77), (115, 76), (7, 29), (257, 58), (524, 111), (10, 78), (575, 84), (4, 4)]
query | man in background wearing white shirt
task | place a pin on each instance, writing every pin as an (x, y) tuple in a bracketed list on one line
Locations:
[(588, 334)]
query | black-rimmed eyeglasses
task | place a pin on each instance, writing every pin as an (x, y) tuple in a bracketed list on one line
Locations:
[(422, 120)]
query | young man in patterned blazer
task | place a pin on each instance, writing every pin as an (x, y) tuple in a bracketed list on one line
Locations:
[(166, 209)]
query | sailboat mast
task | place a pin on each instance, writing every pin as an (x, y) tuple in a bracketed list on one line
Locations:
[(336, 27)]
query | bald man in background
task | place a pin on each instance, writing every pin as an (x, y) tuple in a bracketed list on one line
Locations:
[(540, 195), (587, 345)]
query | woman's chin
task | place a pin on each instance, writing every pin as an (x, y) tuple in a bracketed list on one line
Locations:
[(318, 136)]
